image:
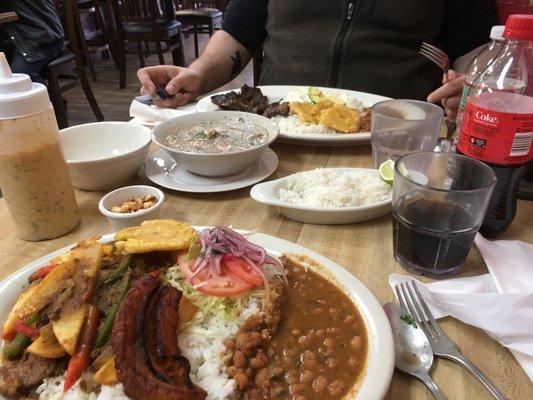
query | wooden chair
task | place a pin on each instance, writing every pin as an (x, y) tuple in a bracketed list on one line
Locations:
[(198, 17), (145, 21), (62, 68), (100, 35)]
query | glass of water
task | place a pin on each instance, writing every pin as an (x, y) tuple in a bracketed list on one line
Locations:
[(438, 204), (400, 127)]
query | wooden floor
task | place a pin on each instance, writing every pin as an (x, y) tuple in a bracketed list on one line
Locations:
[(115, 102)]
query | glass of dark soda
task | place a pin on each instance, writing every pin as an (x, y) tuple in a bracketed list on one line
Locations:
[(438, 204)]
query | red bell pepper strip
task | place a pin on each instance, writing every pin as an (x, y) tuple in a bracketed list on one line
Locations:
[(9, 336), (41, 272), (80, 360), (26, 329)]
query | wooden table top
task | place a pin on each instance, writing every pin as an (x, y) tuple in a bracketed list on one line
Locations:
[(364, 249), (8, 16)]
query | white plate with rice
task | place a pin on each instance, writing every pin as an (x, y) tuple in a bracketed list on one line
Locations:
[(328, 196), (292, 130), (372, 385)]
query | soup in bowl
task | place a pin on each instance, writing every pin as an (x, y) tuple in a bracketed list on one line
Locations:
[(217, 143)]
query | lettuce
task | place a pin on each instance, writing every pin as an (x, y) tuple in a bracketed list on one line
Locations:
[(228, 308)]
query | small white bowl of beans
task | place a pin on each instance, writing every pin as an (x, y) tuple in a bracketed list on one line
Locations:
[(131, 205)]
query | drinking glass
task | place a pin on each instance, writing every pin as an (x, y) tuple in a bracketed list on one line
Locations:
[(438, 204), (400, 127)]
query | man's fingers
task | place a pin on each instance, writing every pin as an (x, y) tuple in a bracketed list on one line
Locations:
[(146, 81), (451, 103), (450, 76), (178, 100), (451, 88), (175, 84)]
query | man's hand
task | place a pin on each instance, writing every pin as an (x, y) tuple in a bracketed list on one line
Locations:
[(181, 84), (449, 94)]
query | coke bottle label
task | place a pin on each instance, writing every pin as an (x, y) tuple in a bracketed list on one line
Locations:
[(496, 137)]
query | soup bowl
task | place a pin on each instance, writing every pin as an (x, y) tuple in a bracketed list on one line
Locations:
[(104, 155), (214, 164)]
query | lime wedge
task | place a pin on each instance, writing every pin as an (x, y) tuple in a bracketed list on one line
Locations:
[(386, 171)]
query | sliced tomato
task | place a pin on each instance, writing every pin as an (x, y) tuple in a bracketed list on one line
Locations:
[(226, 284), (223, 285), (244, 271)]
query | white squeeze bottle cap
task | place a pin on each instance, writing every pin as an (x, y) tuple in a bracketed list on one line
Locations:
[(19, 96), (496, 33)]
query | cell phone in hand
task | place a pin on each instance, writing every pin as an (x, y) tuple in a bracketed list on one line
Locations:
[(147, 99)]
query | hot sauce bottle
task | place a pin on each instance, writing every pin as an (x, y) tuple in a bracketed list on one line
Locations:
[(34, 177)]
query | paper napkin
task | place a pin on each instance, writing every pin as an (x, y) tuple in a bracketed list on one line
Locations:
[(152, 115), (500, 302)]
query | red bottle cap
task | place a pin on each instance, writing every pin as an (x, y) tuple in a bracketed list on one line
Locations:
[(519, 26)]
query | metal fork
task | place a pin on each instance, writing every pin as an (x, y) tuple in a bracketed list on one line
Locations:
[(439, 57), (442, 346)]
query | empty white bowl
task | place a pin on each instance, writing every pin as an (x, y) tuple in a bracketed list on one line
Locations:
[(104, 155), (214, 164), (268, 193), (119, 196)]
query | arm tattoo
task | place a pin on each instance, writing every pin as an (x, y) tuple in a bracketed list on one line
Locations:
[(237, 64)]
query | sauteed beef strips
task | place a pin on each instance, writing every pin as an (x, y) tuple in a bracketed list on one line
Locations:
[(20, 376), (252, 100)]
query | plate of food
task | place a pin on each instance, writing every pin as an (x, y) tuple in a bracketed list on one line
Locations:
[(304, 114), (328, 195), (170, 311)]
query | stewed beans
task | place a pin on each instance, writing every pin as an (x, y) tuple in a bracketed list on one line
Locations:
[(320, 347)]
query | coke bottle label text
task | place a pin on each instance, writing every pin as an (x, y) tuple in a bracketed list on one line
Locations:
[(496, 137)]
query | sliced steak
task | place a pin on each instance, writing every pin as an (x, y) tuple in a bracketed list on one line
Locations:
[(20, 376), (277, 108)]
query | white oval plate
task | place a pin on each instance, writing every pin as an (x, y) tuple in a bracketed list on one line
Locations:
[(268, 193), (162, 169), (278, 92), (380, 363)]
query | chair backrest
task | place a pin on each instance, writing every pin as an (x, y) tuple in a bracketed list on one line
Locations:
[(154, 11), (195, 4), (66, 10)]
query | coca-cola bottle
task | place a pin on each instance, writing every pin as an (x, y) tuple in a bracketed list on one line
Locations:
[(497, 125), (489, 53)]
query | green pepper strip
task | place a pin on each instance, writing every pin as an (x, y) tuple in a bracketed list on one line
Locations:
[(122, 268), (109, 321), (16, 347)]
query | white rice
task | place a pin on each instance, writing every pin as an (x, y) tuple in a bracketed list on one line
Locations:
[(293, 124), (202, 345), (335, 188), (52, 389)]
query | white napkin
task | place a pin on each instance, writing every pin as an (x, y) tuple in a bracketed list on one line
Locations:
[(500, 302), (152, 115)]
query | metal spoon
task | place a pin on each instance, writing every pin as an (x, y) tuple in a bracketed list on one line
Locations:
[(412, 350)]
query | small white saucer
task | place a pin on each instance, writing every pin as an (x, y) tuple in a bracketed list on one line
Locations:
[(163, 170)]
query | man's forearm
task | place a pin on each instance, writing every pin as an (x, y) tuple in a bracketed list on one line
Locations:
[(221, 61)]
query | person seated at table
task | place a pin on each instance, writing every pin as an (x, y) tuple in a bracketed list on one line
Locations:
[(370, 45), (36, 37)]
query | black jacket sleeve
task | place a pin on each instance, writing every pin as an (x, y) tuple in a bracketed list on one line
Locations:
[(467, 25), (245, 20)]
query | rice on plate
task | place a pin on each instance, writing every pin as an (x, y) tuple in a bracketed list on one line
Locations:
[(335, 188)]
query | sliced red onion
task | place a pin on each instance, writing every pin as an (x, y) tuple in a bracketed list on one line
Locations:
[(222, 243)]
